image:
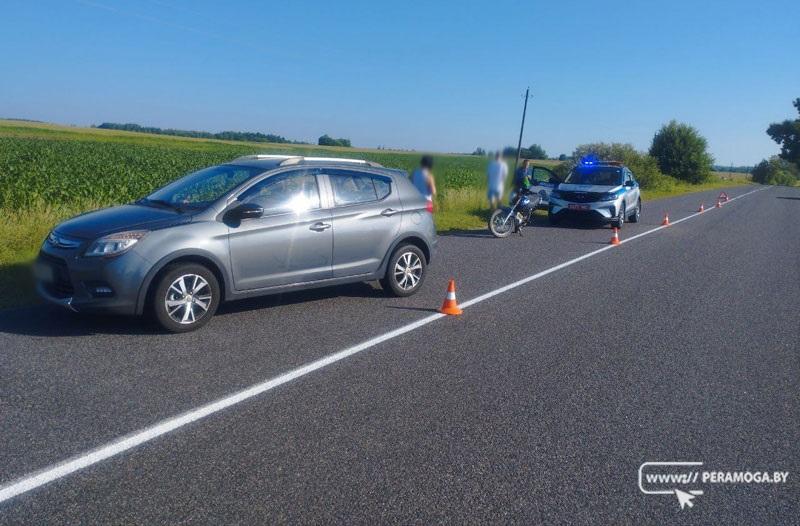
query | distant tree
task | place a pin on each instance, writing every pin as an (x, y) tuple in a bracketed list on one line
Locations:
[(787, 134), (534, 151), (510, 151), (776, 171), (682, 152), (327, 140), (562, 157), (479, 151)]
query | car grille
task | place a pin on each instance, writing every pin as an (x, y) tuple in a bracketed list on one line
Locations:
[(61, 286), (581, 197)]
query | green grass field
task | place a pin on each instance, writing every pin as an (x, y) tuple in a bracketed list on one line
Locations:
[(49, 173)]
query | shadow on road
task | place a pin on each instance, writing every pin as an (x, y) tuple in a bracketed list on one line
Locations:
[(788, 198), (418, 309), (570, 222), (479, 234), (353, 290), (50, 321), (16, 285)]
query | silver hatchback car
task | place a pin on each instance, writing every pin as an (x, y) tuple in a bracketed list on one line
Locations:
[(258, 225)]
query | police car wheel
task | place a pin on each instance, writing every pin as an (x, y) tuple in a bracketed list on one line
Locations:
[(637, 213), (620, 219)]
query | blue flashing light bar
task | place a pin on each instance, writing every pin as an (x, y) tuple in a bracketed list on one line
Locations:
[(589, 160)]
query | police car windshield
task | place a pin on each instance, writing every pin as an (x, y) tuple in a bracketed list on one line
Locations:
[(595, 175)]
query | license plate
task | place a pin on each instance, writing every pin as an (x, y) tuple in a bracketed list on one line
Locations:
[(579, 207), (43, 272)]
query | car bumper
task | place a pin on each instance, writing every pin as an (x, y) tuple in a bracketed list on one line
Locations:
[(90, 284), (600, 210)]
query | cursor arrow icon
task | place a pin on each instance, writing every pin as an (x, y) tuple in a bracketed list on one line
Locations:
[(684, 499)]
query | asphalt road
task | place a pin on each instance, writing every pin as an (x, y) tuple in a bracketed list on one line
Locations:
[(537, 405)]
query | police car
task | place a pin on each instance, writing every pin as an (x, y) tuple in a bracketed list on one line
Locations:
[(603, 190)]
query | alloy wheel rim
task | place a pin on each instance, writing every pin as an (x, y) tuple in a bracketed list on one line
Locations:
[(408, 271), (188, 299)]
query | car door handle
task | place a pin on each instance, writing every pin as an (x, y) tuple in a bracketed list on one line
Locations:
[(319, 226), (389, 212)]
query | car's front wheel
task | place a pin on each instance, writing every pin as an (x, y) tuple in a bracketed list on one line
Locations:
[(186, 297), (637, 213), (620, 219), (405, 271)]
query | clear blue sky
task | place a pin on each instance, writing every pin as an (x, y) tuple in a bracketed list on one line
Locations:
[(434, 75)]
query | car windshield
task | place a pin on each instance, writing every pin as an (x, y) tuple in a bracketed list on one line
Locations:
[(596, 175), (200, 189)]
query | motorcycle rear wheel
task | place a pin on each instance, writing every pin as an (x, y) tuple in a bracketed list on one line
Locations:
[(500, 228)]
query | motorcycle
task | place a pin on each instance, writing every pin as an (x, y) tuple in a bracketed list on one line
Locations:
[(507, 220)]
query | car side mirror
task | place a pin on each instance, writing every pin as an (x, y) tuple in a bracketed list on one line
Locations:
[(629, 184), (248, 211)]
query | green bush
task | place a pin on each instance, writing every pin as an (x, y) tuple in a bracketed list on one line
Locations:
[(682, 153), (776, 171), (327, 140)]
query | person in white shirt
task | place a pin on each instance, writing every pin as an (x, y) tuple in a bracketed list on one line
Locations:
[(496, 178)]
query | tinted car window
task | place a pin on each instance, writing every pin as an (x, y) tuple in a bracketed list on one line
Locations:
[(286, 192), (352, 187), (205, 186), (598, 175), (383, 186)]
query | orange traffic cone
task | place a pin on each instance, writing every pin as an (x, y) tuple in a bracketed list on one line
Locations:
[(615, 238), (450, 305), (665, 222), (702, 209)]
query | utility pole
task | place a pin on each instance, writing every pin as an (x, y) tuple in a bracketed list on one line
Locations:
[(521, 128)]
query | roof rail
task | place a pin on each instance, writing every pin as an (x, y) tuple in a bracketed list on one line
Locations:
[(300, 159), (287, 160), (259, 157)]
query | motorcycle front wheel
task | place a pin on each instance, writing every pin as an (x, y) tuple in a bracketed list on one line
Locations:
[(501, 223)]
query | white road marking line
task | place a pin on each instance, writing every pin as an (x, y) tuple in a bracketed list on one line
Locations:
[(84, 460)]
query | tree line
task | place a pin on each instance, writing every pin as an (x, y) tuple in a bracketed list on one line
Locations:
[(224, 136), (534, 151)]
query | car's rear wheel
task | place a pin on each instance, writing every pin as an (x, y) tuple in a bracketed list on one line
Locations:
[(620, 219), (186, 297), (405, 271)]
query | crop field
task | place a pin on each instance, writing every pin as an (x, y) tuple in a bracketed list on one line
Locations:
[(50, 172)]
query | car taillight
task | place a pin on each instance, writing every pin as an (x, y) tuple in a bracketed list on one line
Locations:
[(429, 207)]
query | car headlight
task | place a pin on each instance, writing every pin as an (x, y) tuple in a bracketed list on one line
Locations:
[(115, 244), (610, 196)]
